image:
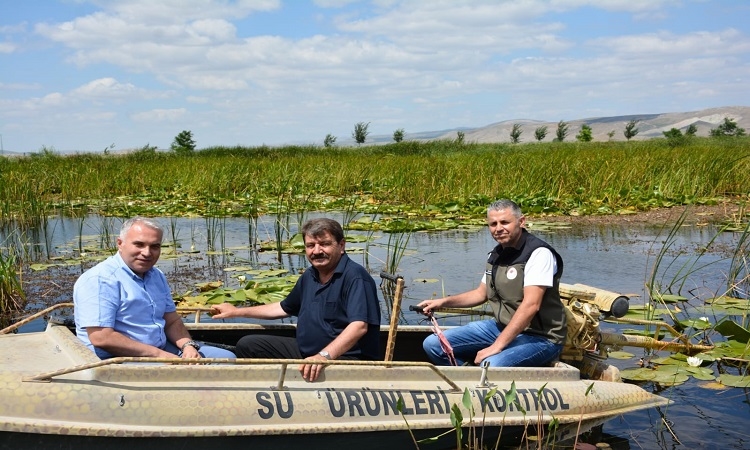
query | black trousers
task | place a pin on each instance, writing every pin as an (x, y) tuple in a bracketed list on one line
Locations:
[(266, 346), (272, 347)]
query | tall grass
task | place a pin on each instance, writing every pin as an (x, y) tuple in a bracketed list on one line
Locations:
[(12, 297), (586, 178)]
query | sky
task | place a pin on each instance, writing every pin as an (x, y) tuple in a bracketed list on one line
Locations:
[(90, 75)]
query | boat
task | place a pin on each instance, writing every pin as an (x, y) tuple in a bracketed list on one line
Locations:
[(56, 393)]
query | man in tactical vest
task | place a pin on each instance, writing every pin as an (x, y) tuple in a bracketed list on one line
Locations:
[(521, 283)]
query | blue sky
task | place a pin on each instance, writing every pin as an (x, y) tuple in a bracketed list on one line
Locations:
[(85, 75)]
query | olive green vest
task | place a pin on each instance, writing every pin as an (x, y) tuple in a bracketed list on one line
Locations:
[(505, 273)]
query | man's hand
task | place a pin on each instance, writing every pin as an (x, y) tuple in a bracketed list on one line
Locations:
[(190, 352), (222, 311), (428, 305), (310, 372), (485, 353)]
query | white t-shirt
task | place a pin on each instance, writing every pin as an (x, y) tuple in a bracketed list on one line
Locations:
[(540, 269)]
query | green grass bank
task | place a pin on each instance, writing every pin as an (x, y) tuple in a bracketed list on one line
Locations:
[(555, 178)]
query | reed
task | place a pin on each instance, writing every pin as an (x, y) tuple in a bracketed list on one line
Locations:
[(582, 178), (12, 297), (396, 247)]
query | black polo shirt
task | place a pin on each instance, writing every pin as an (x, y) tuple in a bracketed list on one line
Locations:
[(324, 310)]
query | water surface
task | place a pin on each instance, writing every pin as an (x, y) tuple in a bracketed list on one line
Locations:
[(611, 257)]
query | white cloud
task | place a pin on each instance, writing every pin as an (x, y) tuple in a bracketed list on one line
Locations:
[(104, 87), (159, 115), (52, 100), (673, 46), (333, 3), (20, 86), (425, 64), (166, 11), (7, 47)]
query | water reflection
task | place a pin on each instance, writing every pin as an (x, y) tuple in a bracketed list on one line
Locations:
[(612, 257)]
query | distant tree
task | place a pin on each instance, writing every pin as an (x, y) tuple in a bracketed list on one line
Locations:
[(515, 133), (46, 152), (183, 143), (630, 130), (691, 130), (398, 135), (540, 133), (329, 140), (674, 137), (109, 148), (728, 128), (611, 134), (147, 150), (585, 134), (562, 131), (360, 132), (460, 135)]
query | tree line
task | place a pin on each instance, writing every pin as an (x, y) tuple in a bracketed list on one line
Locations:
[(185, 144)]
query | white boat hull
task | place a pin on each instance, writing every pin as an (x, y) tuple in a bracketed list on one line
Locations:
[(51, 384)]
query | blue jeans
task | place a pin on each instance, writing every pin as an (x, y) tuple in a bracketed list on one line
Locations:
[(525, 350)]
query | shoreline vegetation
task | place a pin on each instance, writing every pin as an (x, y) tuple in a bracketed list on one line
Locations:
[(418, 180), (397, 188)]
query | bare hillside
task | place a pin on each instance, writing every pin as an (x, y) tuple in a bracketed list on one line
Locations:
[(649, 125)]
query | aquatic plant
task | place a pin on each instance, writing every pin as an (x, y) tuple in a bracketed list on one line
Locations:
[(12, 297), (722, 315), (400, 409), (398, 240), (411, 176)]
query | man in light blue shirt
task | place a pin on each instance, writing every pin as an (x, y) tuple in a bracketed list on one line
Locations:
[(124, 307)]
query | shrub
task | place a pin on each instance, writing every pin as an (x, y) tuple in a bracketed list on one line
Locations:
[(329, 140), (515, 133), (561, 132), (728, 128), (360, 132), (183, 143), (586, 134), (630, 130), (540, 133)]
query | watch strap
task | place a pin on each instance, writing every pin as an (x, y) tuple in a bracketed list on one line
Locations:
[(190, 343)]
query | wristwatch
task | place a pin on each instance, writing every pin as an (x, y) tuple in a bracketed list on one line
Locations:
[(191, 343), (325, 355)]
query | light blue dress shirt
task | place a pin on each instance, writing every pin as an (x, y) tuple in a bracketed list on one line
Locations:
[(113, 296)]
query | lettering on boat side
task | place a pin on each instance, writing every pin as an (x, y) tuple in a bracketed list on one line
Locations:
[(272, 404), (369, 403), (366, 402), (529, 399)]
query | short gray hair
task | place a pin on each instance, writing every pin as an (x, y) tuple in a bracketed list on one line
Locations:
[(503, 204), (150, 223)]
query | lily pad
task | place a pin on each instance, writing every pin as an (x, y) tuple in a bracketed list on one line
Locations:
[(669, 298), (731, 330), (670, 379), (38, 267), (426, 280), (713, 385), (698, 324), (638, 374), (735, 380), (620, 355), (237, 269), (209, 286), (701, 373)]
